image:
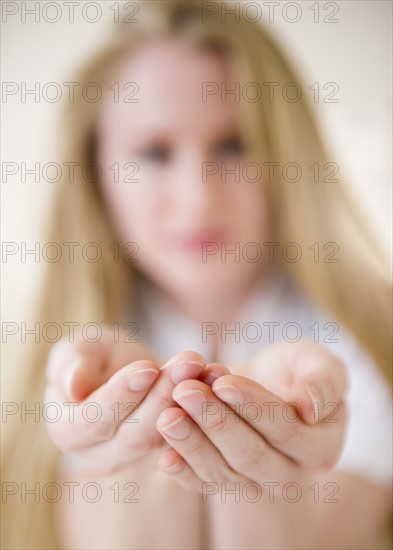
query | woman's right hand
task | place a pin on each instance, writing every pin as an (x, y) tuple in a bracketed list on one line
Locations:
[(111, 395)]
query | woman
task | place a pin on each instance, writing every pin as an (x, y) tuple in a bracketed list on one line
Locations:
[(177, 456)]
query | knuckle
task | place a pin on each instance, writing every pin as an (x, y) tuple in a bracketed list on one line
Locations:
[(98, 431), (138, 444), (197, 447), (130, 445), (219, 427), (250, 463), (152, 442), (286, 435)]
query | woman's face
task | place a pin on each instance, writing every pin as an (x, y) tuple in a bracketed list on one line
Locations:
[(173, 178)]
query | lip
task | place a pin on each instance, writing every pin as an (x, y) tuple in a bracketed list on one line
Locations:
[(193, 241)]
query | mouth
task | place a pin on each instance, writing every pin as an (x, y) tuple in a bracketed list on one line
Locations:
[(193, 241)]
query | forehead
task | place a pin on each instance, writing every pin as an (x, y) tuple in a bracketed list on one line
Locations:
[(168, 80)]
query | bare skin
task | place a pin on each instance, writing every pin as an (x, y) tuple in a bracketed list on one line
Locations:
[(185, 484), (172, 451)]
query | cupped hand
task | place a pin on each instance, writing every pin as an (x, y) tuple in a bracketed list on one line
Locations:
[(239, 429), (110, 399)]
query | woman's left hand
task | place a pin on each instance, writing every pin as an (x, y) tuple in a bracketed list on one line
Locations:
[(282, 419)]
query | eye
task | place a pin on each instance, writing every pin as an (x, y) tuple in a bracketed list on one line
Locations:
[(231, 146), (156, 153)]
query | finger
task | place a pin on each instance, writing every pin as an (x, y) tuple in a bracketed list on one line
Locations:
[(138, 435), (303, 372), (75, 369), (171, 463), (109, 405), (316, 447), (320, 384), (212, 372), (244, 450), (192, 444), (78, 368), (183, 366)]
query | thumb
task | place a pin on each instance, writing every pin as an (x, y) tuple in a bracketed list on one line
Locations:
[(78, 368), (304, 373), (81, 379), (75, 371), (319, 384), (316, 401)]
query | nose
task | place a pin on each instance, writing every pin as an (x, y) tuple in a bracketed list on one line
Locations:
[(195, 192)]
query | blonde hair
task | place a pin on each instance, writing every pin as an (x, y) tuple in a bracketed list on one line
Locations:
[(356, 290)]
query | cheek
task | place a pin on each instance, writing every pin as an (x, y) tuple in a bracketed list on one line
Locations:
[(251, 211), (134, 212), (142, 217), (132, 200)]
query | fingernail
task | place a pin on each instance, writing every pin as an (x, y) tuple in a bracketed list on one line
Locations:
[(192, 400), (229, 394), (70, 379), (316, 395), (68, 385), (179, 429), (183, 370), (142, 379)]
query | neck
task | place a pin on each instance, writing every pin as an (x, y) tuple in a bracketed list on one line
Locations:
[(222, 308)]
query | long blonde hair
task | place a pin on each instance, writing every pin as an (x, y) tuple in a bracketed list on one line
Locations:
[(356, 289)]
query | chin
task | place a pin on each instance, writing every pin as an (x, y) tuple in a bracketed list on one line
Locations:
[(196, 281), (215, 286)]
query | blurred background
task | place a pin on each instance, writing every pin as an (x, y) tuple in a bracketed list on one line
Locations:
[(355, 52)]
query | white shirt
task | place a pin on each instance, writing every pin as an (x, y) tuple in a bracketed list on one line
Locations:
[(165, 331)]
